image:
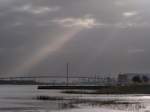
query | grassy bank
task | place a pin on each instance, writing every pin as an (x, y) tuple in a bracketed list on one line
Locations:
[(132, 89)]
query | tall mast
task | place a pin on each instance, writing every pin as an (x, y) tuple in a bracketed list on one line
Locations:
[(67, 74)]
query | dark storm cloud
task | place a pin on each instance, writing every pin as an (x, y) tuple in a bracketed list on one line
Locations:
[(106, 36)]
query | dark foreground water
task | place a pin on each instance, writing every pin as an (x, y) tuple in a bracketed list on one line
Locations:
[(29, 99)]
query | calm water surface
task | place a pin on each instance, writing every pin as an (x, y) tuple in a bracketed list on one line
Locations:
[(27, 99)]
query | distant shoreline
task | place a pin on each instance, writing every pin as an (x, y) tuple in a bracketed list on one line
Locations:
[(132, 89)]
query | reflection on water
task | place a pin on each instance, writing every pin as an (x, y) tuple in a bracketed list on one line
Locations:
[(29, 99)]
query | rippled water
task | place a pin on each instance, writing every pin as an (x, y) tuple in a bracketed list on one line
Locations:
[(29, 99)]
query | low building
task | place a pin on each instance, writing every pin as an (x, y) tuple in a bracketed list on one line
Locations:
[(123, 79), (133, 78)]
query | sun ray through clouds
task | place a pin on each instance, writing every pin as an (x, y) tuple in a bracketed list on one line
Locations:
[(72, 26), (44, 51)]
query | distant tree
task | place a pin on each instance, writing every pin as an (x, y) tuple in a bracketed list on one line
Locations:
[(136, 79), (145, 79)]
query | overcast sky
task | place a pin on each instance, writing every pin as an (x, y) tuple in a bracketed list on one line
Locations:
[(94, 36)]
